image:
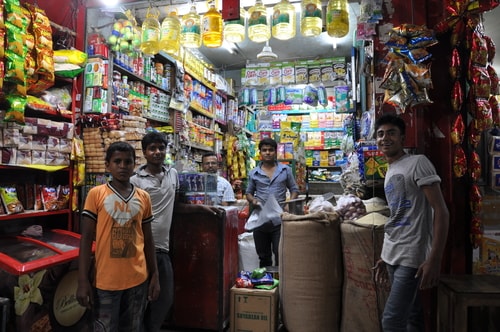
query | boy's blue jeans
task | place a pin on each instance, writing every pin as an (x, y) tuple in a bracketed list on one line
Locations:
[(403, 309), (120, 310)]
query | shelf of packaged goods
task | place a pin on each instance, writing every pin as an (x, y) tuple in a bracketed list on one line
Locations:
[(132, 77), (221, 121), (154, 119), (197, 108), (303, 130), (199, 146), (33, 214), (201, 79), (65, 116), (292, 111), (210, 131), (46, 168), (321, 148)]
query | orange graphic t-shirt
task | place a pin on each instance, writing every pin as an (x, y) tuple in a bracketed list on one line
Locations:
[(120, 258)]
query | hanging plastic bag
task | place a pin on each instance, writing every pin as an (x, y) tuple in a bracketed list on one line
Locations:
[(254, 221), (270, 211)]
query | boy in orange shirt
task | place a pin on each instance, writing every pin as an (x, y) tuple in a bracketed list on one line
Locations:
[(119, 215)]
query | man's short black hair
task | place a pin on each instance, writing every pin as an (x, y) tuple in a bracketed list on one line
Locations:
[(391, 118), (119, 146), (208, 154), (153, 137), (268, 141)]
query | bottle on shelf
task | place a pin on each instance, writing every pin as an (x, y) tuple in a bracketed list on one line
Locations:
[(190, 29), (258, 28), (311, 22), (337, 18), (212, 27), (283, 22), (150, 37), (234, 30), (170, 33)]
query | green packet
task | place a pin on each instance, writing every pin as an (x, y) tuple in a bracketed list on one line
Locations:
[(275, 284)]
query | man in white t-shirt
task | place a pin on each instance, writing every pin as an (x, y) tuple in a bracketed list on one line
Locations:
[(225, 193)]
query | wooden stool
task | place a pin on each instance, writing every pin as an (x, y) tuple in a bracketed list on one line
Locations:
[(458, 292)]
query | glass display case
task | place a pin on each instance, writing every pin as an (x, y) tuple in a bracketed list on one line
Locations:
[(22, 254)]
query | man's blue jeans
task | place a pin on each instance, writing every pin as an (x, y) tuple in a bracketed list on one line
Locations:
[(403, 309), (157, 311)]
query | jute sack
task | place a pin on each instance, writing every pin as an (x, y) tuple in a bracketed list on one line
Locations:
[(362, 300), (310, 272)]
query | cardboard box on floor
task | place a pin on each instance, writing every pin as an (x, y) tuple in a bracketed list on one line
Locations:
[(254, 310), (486, 258)]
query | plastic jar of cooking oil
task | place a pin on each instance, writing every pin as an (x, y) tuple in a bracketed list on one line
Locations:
[(337, 18), (150, 37), (311, 22), (258, 28), (190, 29), (234, 30), (283, 20), (212, 28), (170, 33)]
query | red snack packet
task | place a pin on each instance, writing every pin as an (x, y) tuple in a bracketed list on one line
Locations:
[(491, 48), (476, 199), (457, 130), (483, 119), (480, 82), (474, 166), (455, 64), (479, 50), (495, 110), (457, 96), (457, 33), (459, 162), (476, 231), (493, 79), (474, 134)]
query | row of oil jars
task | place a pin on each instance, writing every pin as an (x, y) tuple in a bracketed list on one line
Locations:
[(192, 29)]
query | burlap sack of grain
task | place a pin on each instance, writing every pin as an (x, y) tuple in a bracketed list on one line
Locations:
[(310, 272), (362, 300)]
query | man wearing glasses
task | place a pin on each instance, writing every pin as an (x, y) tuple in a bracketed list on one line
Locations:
[(225, 193)]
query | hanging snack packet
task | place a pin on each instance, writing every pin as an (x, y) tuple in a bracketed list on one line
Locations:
[(10, 201)]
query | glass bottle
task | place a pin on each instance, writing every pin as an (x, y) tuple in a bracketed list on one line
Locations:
[(190, 29), (170, 33), (337, 18), (234, 30), (284, 21), (258, 27), (212, 28), (150, 36), (311, 22)]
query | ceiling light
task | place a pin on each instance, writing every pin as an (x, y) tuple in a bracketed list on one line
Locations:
[(267, 53)]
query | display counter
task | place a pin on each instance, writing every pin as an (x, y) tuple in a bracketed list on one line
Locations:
[(21, 254), (38, 274), (204, 253)]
